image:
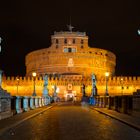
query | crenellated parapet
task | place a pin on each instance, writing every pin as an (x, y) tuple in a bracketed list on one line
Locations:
[(116, 80), (116, 85)]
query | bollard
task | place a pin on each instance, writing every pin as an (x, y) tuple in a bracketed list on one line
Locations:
[(109, 102), (104, 101), (129, 104), (32, 102), (113, 102), (124, 104), (43, 104), (13, 105), (36, 102), (26, 103), (119, 103), (40, 101), (18, 104), (116, 103)]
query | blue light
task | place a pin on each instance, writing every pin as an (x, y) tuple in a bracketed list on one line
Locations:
[(138, 31)]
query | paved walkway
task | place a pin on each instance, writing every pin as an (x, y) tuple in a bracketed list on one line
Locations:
[(68, 121), (11, 122), (125, 118)]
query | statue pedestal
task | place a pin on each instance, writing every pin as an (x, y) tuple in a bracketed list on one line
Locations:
[(47, 100), (5, 104), (92, 100)]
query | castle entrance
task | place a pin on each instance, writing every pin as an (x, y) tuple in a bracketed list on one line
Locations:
[(70, 96)]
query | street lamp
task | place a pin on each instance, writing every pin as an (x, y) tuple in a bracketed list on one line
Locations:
[(106, 79), (34, 76), (122, 85), (17, 84)]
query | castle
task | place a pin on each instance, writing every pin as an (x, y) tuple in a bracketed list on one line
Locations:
[(69, 63)]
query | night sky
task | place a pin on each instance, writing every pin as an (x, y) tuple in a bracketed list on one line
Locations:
[(110, 24)]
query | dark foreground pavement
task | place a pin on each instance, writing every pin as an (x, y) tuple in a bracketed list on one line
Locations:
[(71, 122)]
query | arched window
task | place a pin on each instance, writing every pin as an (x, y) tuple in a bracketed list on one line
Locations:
[(65, 41), (82, 41), (56, 41)]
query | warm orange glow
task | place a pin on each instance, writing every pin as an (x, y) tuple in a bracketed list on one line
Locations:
[(107, 74), (34, 74)]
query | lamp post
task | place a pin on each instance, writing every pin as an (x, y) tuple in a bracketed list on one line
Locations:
[(122, 85), (34, 76), (0, 43), (106, 79), (17, 84)]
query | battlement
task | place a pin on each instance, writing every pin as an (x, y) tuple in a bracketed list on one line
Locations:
[(117, 85), (115, 79)]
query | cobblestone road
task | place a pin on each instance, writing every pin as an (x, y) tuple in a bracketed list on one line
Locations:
[(69, 122)]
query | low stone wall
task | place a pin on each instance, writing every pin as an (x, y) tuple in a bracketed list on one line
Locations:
[(12, 105), (5, 104), (21, 104), (136, 105), (128, 104)]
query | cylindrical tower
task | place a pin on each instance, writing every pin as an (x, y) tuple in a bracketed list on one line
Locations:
[(69, 53)]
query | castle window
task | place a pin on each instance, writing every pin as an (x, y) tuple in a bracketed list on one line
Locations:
[(65, 49), (65, 41), (82, 41), (82, 47), (73, 49), (73, 41), (69, 49), (56, 46), (56, 41)]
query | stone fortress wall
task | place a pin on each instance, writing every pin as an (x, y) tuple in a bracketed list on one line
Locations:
[(70, 53), (70, 61), (115, 84)]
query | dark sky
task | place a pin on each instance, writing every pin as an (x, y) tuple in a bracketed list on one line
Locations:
[(110, 24)]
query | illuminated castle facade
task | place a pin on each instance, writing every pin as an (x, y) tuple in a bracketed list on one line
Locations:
[(70, 54), (69, 62)]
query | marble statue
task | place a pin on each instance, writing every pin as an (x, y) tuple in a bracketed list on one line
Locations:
[(83, 90), (55, 93), (94, 90), (47, 98), (46, 80), (45, 90)]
